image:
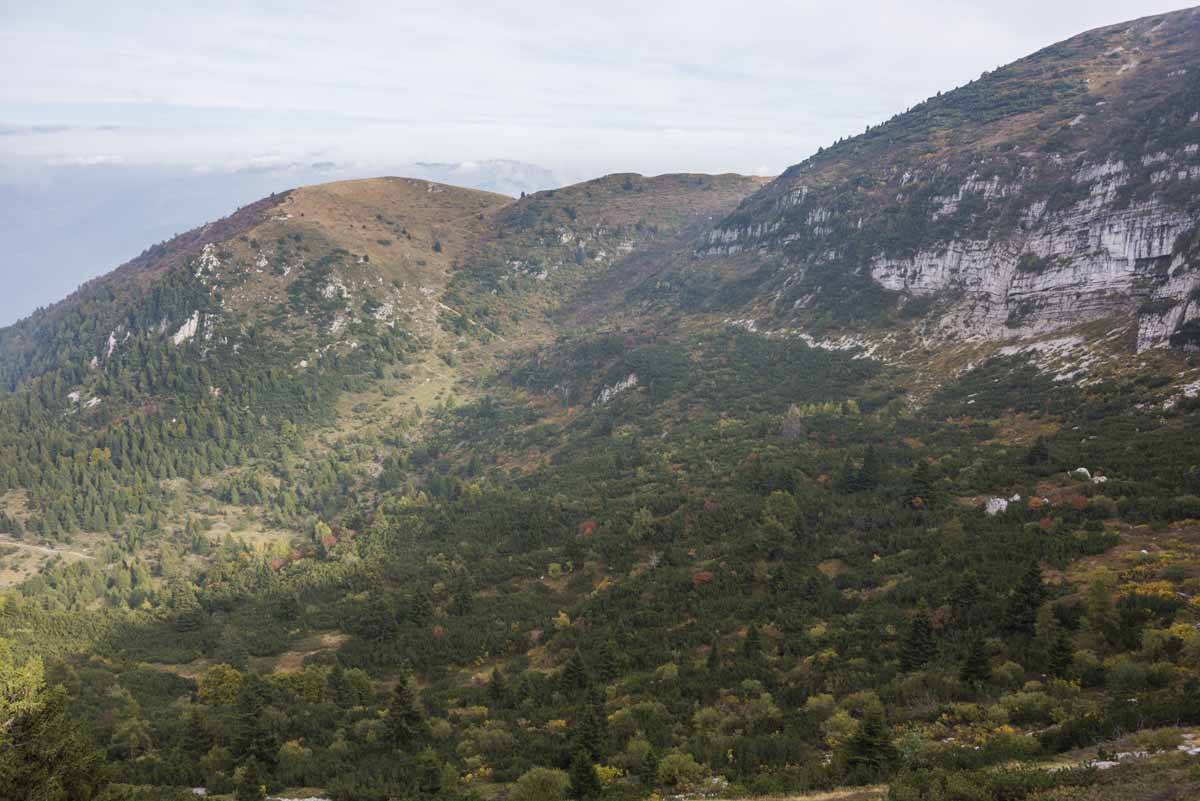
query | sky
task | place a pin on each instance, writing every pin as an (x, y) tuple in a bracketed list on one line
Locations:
[(580, 87), (192, 91)]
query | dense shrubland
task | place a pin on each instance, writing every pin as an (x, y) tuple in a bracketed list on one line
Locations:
[(755, 566)]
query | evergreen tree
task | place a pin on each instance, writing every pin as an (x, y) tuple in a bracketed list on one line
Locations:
[(872, 470), (497, 689), (869, 754), (1038, 453), (918, 646), (429, 773), (847, 477), (1062, 654), (250, 784), (966, 606), (591, 728), (405, 725), (713, 661), (608, 667), (976, 668), (1024, 602), (196, 739), (865, 476), (585, 784), (920, 491), (575, 674), (752, 644), (43, 756), (338, 687), (255, 742)]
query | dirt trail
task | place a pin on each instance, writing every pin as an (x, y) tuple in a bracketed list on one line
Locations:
[(875, 793), (5, 540)]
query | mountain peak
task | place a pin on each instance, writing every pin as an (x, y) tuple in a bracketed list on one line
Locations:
[(1051, 192)]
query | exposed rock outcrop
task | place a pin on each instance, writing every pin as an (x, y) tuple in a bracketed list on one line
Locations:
[(1058, 190)]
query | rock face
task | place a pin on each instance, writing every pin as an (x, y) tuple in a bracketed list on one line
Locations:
[(1087, 262), (1061, 189)]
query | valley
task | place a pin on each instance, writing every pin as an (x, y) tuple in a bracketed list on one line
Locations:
[(876, 480)]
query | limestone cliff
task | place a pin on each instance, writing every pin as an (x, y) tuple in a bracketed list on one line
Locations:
[(1058, 190)]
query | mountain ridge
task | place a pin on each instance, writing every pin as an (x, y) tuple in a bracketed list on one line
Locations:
[(898, 214)]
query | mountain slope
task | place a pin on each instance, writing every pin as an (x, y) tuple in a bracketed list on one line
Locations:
[(291, 313), (1056, 190), (384, 489)]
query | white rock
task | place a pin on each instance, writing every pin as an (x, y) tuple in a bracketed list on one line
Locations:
[(188, 330), (610, 392), (1096, 259), (995, 506)]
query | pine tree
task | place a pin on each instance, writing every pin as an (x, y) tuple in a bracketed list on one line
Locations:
[(713, 662), (918, 646), (1038, 452), (497, 689), (1026, 599), (254, 741), (920, 491), (966, 606), (752, 644), (863, 477), (340, 691), (585, 784), (869, 753), (429, 773), (872, 470), (250, 784), (405, 724), (608, 666), (591, 728), (196, 739), (976, 668), (421, 608), (44, 753), (847, 478), (1062, 654), (575, 674)]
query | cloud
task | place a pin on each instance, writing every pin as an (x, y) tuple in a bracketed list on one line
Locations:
[(651, 86), (93, 160)]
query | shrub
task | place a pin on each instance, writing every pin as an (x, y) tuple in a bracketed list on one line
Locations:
[(541, 784), (1028, 708), (679, 770)]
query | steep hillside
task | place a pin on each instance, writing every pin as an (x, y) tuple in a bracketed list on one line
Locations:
[(1056, 190), (554, 246), (243, 338)]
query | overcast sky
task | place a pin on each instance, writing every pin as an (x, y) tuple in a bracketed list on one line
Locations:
[(580, 87)]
